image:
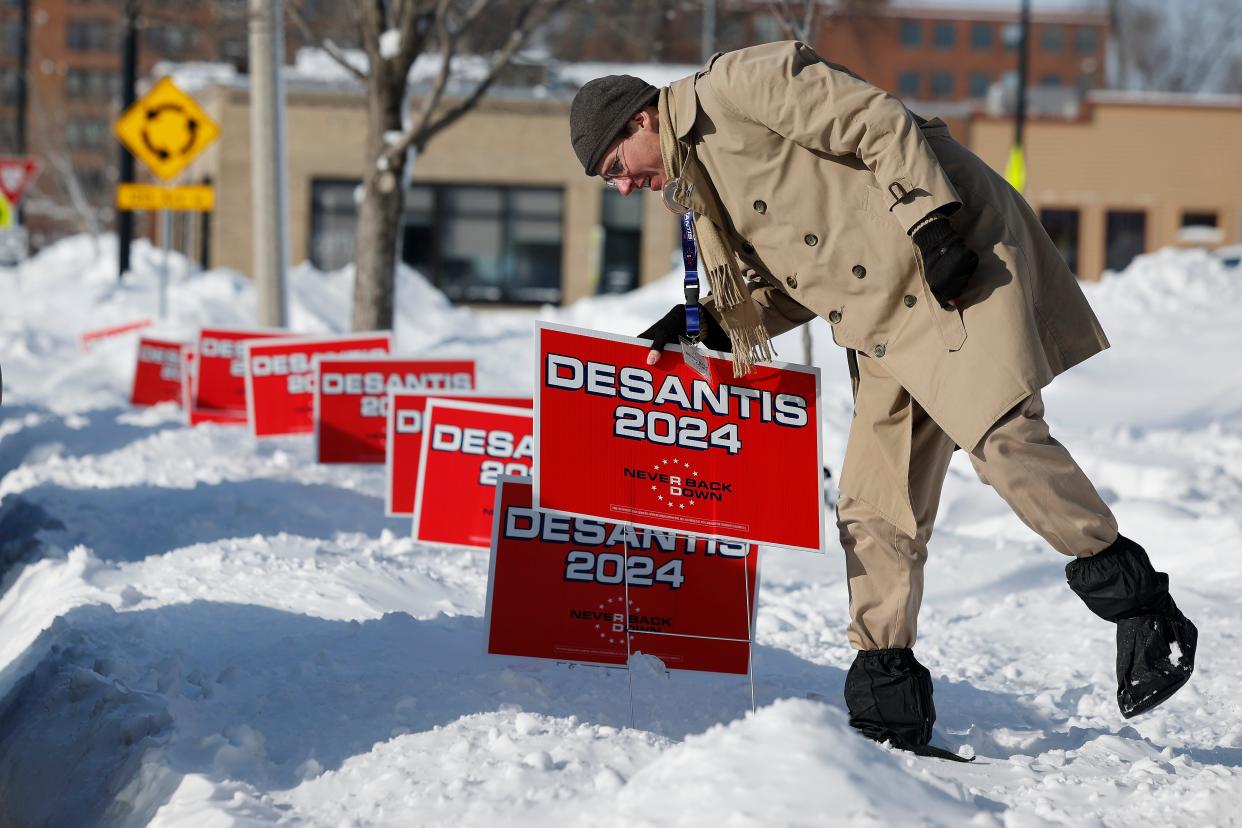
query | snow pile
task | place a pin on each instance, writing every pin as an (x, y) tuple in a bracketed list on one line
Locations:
[(201, 628)]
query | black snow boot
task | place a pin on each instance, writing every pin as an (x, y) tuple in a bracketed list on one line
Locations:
[(1155, 642), (889, 696)]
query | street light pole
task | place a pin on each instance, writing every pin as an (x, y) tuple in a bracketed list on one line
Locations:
[(269, 224), (129, 78)]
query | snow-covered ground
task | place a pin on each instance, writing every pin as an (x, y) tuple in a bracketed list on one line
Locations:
[(200, 629)]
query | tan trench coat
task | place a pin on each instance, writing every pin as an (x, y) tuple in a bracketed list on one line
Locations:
[(821, 175)]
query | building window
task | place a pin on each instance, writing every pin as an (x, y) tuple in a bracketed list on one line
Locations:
[(622, 220), (979, 85), (910, 84), (1198, 218), (981, 36), (171, 39), (1050, 81), (944, 34), (1125, 236), (86, 133), (911, 33), (1062, 227), (1052, 40), (10, 37), (91, 35), (94, 84), (941, 84), (1012, 35), (334, 222), (487, 244), (1086, 41), (8, 86), (768, 29)]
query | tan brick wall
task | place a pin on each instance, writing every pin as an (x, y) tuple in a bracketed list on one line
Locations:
[(505, 143), (1161, 159)]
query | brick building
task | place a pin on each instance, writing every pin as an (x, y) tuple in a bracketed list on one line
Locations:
[(74, 90), (921, 50)]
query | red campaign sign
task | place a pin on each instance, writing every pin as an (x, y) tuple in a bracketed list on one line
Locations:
[(404, 446), (280, 378), (157, 376), (467, 446), (16, 175), (351, 400), (219, 393), (659, 446), (555, 591)]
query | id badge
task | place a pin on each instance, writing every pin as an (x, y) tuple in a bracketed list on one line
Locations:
[(696, 358)]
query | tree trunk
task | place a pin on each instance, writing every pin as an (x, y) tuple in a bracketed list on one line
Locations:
[(379, 215)]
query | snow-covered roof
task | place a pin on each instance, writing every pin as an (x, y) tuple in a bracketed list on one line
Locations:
[(1201, 99)]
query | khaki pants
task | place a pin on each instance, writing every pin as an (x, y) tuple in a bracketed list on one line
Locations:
[(1018, 457)]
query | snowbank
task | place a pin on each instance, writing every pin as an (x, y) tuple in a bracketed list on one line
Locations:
[(201, 628)]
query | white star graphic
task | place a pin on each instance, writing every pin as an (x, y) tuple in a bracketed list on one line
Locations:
[(696, 474), (682, 506), (653, 488), (660, 497), (664, 462)]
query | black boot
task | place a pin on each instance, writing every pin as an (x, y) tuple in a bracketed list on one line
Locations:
[(1120, 585)]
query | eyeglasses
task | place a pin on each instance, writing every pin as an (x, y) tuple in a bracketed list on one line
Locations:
[(616, 170)]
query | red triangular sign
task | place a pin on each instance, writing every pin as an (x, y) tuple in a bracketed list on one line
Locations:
[(16, 175)]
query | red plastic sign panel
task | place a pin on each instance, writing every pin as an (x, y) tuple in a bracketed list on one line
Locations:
[(280, 378), (467, 446), (659, 446), (555, 591), (351, 400), (157, 376), (404, 446), (16, 175), (219, 393)]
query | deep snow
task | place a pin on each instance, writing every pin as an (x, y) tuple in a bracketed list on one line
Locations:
[(204, 629)]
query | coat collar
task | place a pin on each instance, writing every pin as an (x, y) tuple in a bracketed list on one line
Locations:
[(685, 105)]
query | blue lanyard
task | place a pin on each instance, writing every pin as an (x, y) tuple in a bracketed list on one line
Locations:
[(690, 258)]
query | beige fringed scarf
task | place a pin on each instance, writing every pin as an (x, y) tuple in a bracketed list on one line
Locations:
[(737, 311)]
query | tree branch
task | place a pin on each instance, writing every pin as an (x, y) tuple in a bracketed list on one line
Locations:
[(334, 51)]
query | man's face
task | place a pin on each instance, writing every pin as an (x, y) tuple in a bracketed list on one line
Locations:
[(633, 162)]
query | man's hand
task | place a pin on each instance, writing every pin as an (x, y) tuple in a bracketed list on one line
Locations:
[(673, 325), (948, 263)]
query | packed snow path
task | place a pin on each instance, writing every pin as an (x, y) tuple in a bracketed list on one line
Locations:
[(198, 628)]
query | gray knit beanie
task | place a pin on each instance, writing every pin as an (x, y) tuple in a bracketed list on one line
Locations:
[(599, 112)]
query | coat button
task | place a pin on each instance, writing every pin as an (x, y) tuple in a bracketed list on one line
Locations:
[(834, 316), (810, 239), (909, 300), (747, 247), (879, 350), (792, 281), (760, 207), (859, 271)]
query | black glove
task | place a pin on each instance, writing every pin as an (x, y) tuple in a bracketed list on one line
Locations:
[(673, 325), (948, 263)]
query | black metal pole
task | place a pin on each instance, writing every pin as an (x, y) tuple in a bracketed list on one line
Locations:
[(1024, 49), (129, 78), (23, 77)]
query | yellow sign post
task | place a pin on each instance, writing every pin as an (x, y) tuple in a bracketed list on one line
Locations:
[(193, 197), (6, 213), (166, 129)]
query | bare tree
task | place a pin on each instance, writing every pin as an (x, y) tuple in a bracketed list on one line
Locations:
[(801, 19), (394, 33), (1188, 46)]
